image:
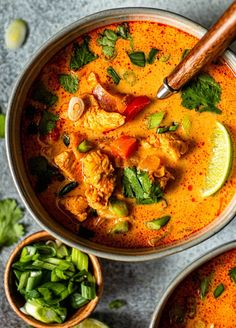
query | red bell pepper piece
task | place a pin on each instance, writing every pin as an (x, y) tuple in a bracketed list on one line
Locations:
[(135, 106), (124, 146)]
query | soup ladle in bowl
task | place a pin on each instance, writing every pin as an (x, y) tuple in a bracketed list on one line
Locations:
[(212, 44)]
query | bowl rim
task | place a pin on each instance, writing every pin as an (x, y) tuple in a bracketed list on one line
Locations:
[(76, 318), (113, 253), (210, 255)]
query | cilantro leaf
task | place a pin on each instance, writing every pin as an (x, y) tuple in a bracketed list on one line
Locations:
[(82, 55), (137, 184), (69, 82), (10, 229), (44, 172), (41, 94), (2, 125), (47, 122), (202, 94)]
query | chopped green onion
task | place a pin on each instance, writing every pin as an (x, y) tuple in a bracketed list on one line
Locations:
[(137, 58), (34, 280), (23, 280), (119, 207), (232, 274), (27, 253), (163, 129), (66, 140), (117, 304), (174, 127), (130, 77), (84, 146), (79, 259), (157, 224), (77, 301), (171, 128), (67, 188), (120, 227), (185, 53), (155, 119), (152, 54), (219, 290), (204, 286), (88, 290), (113, 74), (186, 124), (165, 58)]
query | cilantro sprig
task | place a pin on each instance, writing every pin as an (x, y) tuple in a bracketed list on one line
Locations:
[(82, 54), (202, 93), (137, 184), (69, 82), (10, 229)]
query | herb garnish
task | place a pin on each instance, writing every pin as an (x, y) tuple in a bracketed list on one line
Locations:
[(155, 119), (157, 224), (151, 56), (10, 229), (185, 53), (67, 188), (204, 286), (47, 123), (117, 304), (41, 94), (82, 55), (44, 172), (120, 227), (202, 94), (66, 140), (69, 82), (113, 74), (107, 40), (172, 128), (219, 290), (137, 184), (137, 58), (164, 58), (232, 274)]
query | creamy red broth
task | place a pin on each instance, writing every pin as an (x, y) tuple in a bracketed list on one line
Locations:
[(189, 212)]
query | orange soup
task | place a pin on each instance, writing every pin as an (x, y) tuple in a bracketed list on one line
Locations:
[(206, 298), (110, 161)]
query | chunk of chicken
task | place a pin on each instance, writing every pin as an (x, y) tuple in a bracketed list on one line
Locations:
[(156, 169), (109, 102), (99, 179), (98, 119), (77, 205), (171, 144), (68, 164)]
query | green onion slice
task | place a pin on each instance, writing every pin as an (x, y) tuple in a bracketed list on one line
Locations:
[(157, 224)]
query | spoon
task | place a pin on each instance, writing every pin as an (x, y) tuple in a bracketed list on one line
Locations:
[(212, 44)]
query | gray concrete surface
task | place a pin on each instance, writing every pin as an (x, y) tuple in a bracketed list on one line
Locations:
[(139, 284)]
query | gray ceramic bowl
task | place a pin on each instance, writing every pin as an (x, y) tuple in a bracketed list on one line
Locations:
[(18, 96), (192, 267)]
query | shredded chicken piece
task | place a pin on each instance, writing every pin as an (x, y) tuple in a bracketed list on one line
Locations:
[(170, 143), (77, 205), (99, 179), (109, 102), (68, 164), (98, 119), (156, 169)]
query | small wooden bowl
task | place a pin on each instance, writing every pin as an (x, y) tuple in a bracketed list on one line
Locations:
[(17, 301)]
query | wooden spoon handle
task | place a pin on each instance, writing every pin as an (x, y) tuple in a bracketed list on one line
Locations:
[(213, 43)]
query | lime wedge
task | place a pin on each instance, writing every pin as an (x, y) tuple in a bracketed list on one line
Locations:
[(91, 323), (220, 163)]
